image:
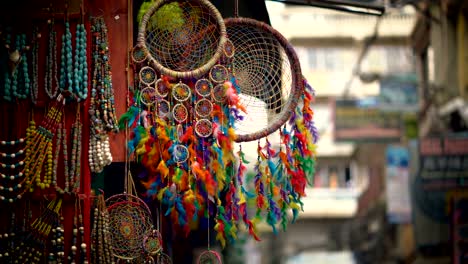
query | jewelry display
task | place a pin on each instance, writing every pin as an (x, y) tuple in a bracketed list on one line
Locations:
[(47, 226), (101, 108)]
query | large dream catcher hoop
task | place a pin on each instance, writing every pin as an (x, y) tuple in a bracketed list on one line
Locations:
[(268, 74), (130, 225), (183, 39)]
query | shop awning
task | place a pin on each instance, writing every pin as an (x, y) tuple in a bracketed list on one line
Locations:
[(367, 7)]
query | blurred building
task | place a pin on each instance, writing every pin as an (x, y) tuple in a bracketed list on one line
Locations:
[(344, 212)]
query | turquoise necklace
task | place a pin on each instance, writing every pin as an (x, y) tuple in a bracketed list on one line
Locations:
[(81, 65), (18, 58), (74, 77), (66, 60)]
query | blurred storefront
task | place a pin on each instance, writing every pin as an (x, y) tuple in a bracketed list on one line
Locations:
[(439, 173)]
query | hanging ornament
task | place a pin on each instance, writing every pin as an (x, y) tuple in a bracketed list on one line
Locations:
[(185, 141)]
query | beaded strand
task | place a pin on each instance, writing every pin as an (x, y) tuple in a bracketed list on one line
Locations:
[(19, 69), (35, 66), (101, 109), (66, 60), (39, 150), (75, 163), (11, 185), (50, 77), (81, 65)]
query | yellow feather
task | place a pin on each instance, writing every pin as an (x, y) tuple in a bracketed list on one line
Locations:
[(141, 148), (161, 193), (241, 197), (232, 134), (163, 169)]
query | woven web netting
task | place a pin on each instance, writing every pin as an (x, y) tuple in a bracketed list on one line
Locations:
[(209, 257), (129, 224), (268, 74), (183, 38)]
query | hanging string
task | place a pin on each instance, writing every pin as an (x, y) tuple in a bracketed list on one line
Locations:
[(208, 221), (236, 8)]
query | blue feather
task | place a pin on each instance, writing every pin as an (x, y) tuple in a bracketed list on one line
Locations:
[(181, 210), (249, 195)]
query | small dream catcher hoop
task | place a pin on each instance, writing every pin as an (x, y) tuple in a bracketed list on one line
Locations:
[(209, 257), (268, 74), (152, 243), (183, 39), (129, 224)]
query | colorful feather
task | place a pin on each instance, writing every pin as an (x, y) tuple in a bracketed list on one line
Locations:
[(128, 118)]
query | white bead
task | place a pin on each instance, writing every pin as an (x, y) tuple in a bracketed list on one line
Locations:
[(12, 177), (73, 248)]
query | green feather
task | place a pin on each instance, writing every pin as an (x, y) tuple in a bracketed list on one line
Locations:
[(128, 117)]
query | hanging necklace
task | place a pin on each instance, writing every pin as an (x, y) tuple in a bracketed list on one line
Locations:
[(81, 65), (39, 150), (50, 76), (66, 60), (35, 66), (101, 240), (18, 69), (83, 246), (101, 109), (61, 137), (12, 170), (75, 163)]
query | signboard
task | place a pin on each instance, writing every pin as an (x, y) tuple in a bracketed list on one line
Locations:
[(397, 172), (362, 121), (441, 168), (399, 93), (444, 162)]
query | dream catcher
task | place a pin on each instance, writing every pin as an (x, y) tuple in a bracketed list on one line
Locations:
[(267, 73), (198, 94), (129, 224), (174, 37)]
